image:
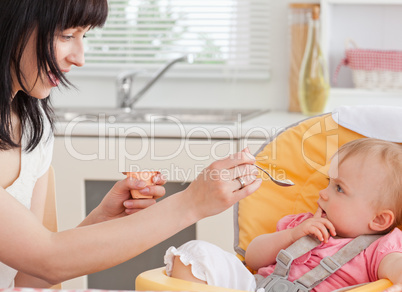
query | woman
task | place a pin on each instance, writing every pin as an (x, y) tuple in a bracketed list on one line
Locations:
[(40, 40)]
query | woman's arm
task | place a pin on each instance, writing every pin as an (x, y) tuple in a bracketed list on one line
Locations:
[(30, 248), (113, 206), (38, 209)]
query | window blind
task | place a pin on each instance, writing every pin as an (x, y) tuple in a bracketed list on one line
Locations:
[(225, 36)]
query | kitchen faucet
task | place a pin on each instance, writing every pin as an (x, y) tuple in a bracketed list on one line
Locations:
[(124, 82)]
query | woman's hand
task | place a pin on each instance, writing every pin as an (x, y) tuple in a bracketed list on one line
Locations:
[(318, 226), (219, 185), (156, 191), (118, 201)]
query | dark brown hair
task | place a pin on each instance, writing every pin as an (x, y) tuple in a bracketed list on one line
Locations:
[(18, 20)]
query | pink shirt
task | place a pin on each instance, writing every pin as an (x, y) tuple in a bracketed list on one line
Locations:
[(361, 269)]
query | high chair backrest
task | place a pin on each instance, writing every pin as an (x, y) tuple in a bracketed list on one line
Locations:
[(302, 153)]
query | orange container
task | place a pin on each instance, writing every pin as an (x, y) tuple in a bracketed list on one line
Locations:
[(146, 176)]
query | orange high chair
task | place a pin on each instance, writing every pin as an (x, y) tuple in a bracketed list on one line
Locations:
[(301, 152)]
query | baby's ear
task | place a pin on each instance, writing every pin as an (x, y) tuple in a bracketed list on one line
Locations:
[(382, 221)]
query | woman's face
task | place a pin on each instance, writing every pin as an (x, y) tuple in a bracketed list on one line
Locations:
[(69, 51)]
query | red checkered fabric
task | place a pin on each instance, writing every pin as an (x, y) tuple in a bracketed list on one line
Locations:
[(371, 60), (361, 59)]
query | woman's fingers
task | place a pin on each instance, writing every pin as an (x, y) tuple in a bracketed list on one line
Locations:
[(247, 190), (124, 186), (216, 188), (243, 181), (227, 170), (159, 179), (234, 173), (243, 157), (154, 191), (242, 170), (135, 205)]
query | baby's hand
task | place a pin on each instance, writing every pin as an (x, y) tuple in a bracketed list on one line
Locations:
[(318, 226)]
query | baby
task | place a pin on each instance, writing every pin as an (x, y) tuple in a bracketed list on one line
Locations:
[(364, 196)]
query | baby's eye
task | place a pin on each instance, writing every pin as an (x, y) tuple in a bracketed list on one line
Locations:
[(339, 189)]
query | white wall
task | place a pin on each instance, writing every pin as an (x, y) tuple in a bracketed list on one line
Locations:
[(207, 93)]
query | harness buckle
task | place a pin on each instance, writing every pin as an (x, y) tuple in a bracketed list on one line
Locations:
[(284, 259), (299, 287), (330, 264), (280, 284)]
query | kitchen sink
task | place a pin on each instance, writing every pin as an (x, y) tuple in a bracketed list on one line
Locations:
[(156, 115)]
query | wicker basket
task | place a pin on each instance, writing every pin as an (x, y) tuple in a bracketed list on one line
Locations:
[(373, 69)]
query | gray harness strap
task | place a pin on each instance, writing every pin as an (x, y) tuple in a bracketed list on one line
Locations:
[(277, 281), (285, 257), (331, 264)]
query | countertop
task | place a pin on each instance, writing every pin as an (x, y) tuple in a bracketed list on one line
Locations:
[(258, 127)]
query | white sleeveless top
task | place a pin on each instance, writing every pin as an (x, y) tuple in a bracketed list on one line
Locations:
[(33, 165)]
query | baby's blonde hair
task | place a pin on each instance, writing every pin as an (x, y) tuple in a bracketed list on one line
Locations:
[(391, 155)]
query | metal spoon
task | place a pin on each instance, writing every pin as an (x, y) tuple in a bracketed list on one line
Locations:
[(283, 183)]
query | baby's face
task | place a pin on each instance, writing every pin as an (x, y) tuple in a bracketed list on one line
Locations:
[(349, 201)]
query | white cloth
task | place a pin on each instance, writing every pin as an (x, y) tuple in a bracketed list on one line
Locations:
[(381, 122), (33, 165), (212, 264)]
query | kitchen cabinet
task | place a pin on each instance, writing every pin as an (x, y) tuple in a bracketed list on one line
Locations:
[(371, 24)]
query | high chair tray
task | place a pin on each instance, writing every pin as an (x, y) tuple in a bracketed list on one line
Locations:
[(156, 280)]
